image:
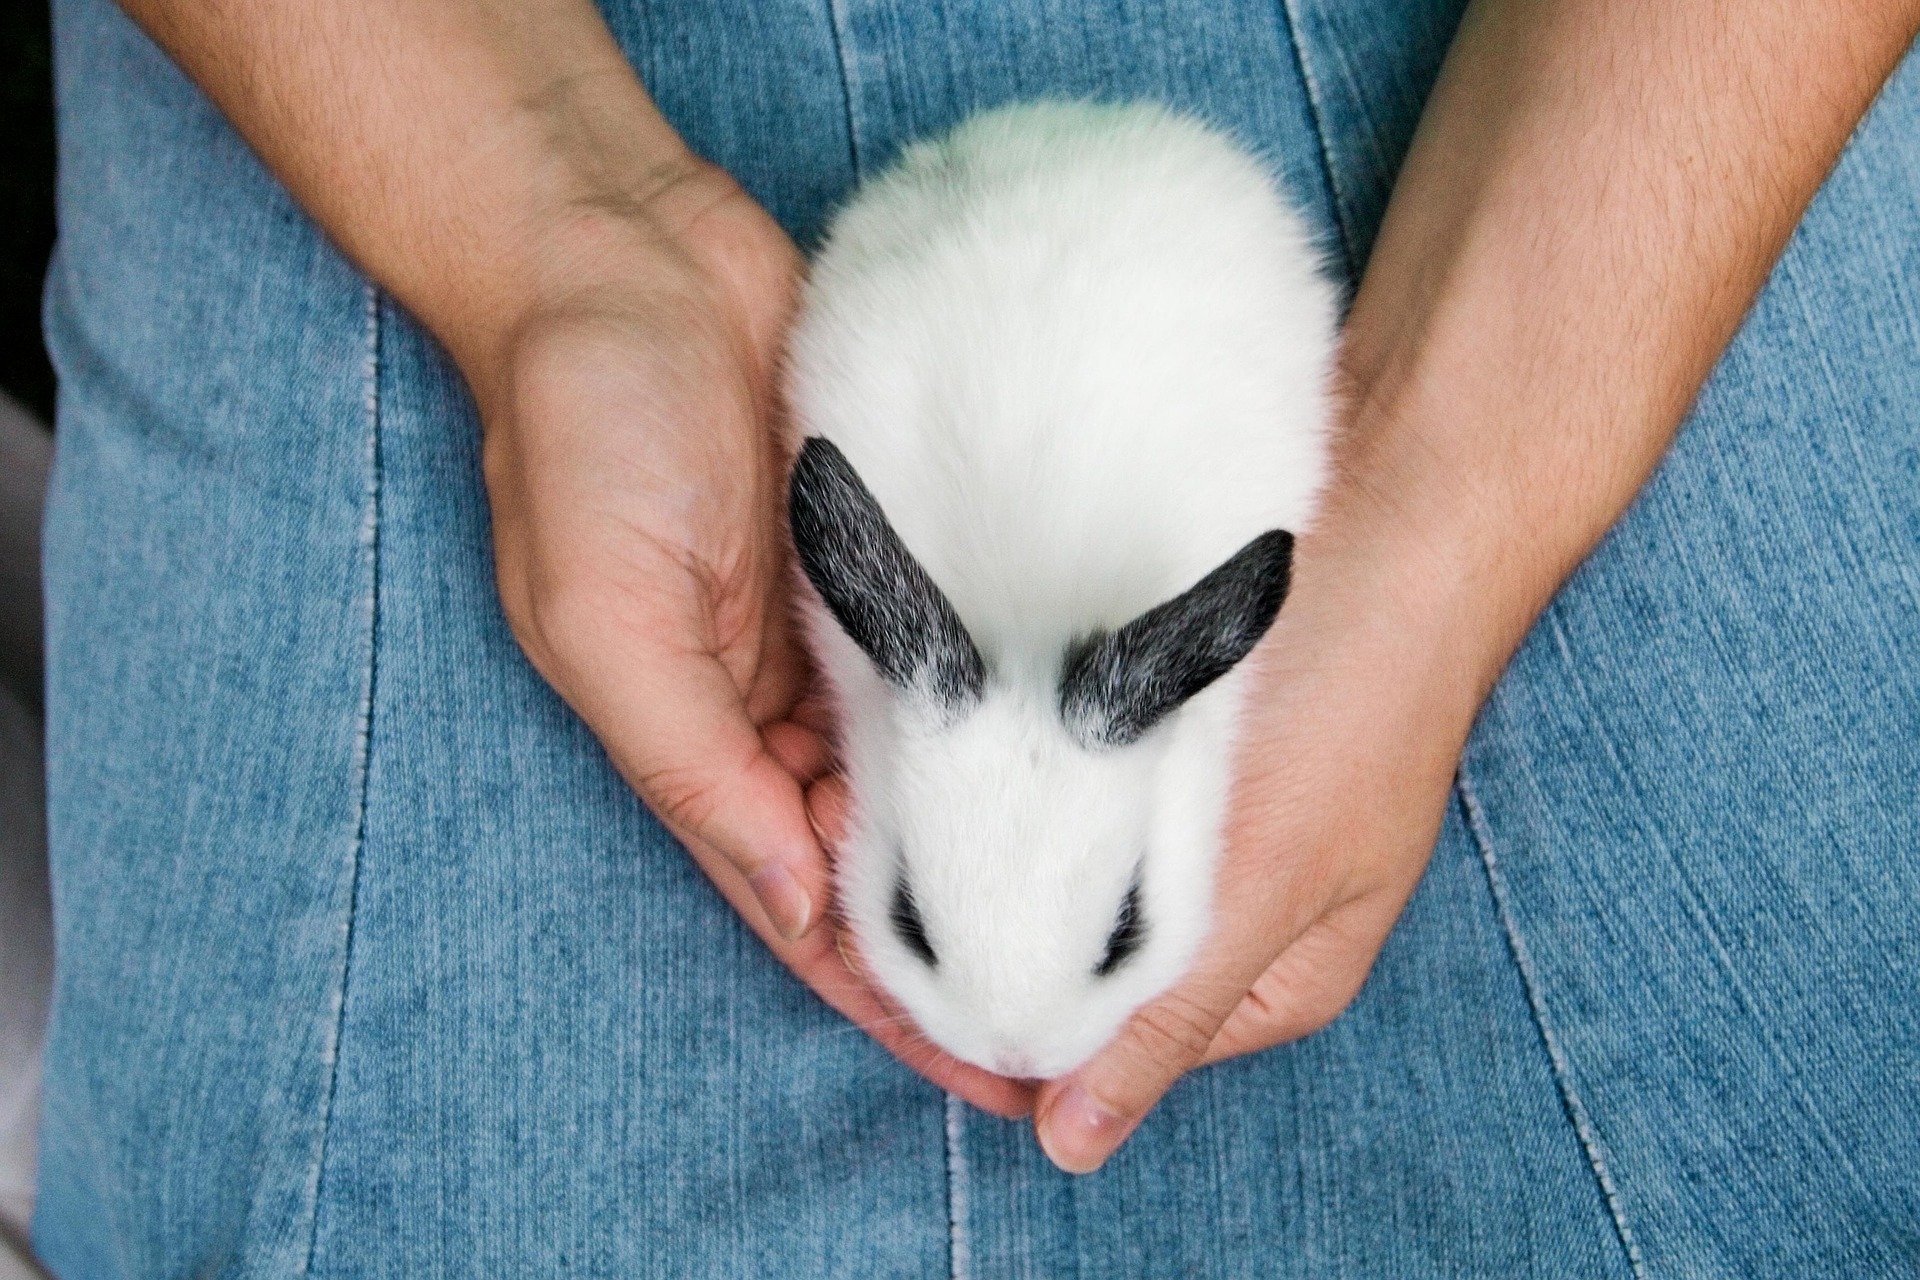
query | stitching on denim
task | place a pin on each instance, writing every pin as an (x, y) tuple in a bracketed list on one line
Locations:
[(1691, 902), (1290, 15), (1576, 1110), (959, 1248), (837, 22), (363, 750)]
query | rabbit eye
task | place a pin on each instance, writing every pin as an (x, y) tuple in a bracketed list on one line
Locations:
[(1129, 931), (905, 917)]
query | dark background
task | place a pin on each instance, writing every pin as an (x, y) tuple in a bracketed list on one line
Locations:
[(26, 234), (26, 199)]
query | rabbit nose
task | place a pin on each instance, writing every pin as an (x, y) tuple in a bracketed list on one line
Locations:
[(1015, 1064)]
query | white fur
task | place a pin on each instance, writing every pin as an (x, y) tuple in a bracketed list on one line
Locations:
[(1081, 355)]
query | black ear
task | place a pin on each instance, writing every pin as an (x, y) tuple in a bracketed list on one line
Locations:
[(1118, 685), (881, 596)]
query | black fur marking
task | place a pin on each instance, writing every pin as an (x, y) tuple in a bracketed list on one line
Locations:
[(877, 591), (905, 917), (1129, 933), (1114, 687)]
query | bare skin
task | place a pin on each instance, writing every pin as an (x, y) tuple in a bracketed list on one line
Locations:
[(1596, 193)]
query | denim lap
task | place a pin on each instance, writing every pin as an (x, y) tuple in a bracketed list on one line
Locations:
[(370, 965)]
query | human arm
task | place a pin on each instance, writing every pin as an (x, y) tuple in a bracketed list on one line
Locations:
[(615, 304), (1595, 194)]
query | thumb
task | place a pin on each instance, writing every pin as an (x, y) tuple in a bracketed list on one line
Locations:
[(676, 726), (1083, 1118)]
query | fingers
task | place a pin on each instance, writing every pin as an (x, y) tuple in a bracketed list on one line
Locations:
[(813, 712), (800, 751), (828, 805), (676, 726), (819, 961), (1008, 1099), (1085, 1117), (1215, 1014), (1312, 982)]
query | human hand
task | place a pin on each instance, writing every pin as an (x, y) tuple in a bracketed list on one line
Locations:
[(1357, 708), (636, 478)]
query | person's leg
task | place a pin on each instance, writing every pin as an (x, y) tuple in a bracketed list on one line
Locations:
[(368, 963), (207, 592), (432, 994), (1697, 791)]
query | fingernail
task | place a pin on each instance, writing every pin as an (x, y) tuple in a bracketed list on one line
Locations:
[(782, 898), (1078, 1133)]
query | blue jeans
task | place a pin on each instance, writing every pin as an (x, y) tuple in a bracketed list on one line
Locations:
[(370, 966)]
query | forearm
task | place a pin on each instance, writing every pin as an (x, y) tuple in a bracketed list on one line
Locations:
[(1596, 193), (440, 143)]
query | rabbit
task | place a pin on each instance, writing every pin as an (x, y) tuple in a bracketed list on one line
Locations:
[(1063, 380)]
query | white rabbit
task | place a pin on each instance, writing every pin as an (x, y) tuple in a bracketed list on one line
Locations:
[(1064, 378)]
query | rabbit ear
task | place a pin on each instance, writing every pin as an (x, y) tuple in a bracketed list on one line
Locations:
[(877, 591), (1116, 686)]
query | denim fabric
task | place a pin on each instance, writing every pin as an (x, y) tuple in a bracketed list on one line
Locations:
[(370, 966)]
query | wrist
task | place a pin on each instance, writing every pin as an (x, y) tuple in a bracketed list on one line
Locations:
[(1424, 567), (584, 195), (573, 269)]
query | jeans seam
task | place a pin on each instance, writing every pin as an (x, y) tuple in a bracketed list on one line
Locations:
[(1477, 826), (1689, 901), (959, 1247), (837, 23), (363, 750), (1330, 172)]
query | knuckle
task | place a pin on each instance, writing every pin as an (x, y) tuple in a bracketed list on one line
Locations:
[(689, 797), (1293, 1000), (1280, 1019), (1175, 1031)]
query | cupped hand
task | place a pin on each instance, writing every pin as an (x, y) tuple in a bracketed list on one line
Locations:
[(1357, 710), (635, 472)]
